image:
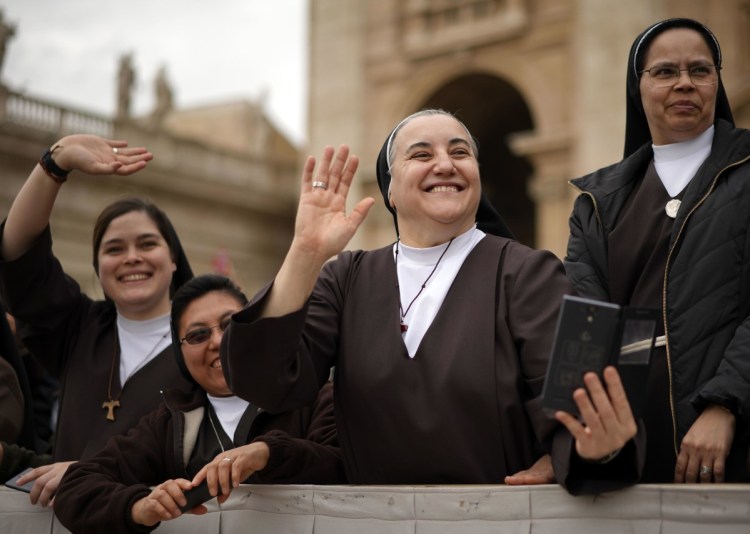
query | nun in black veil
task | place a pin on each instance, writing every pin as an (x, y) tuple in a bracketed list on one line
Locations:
[(112, 356), (667, 228), (439, 341)]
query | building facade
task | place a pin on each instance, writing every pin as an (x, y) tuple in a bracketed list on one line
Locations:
[(231, 197), (540, 83)]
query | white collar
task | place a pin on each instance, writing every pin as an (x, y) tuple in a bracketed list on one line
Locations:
[(429, 255), (229, 410), (677, 163), (156, 325)]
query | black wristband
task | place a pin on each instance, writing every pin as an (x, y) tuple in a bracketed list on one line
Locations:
[(51, 168)]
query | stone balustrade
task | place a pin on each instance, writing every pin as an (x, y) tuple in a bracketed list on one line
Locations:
[(56, 119)]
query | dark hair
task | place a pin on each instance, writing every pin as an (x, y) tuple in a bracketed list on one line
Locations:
[(190, 291), (199, 286), (122, 207)]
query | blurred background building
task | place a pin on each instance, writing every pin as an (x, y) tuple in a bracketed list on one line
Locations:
[(223, 173), (541, 83)]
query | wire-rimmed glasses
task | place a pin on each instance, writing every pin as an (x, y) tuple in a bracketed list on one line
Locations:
[(666, 76)]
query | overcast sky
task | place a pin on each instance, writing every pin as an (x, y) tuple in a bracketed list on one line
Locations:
[(214, 50)]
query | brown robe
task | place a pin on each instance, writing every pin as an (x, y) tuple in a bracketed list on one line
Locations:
[(465, 409), (97, 495)]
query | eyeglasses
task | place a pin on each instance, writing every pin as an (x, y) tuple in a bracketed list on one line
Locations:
[(203, 334), (668, 76)]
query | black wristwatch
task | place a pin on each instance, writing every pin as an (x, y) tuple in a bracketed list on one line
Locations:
[(52, 169)]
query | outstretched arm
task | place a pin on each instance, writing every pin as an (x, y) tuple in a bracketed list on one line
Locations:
[(322, 228), (30, 212)]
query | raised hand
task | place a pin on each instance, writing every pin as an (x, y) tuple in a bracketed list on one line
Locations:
[(95, 155), (607, 421), (30, 212), (323, 227)]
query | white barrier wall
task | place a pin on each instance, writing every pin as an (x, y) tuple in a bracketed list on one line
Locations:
[(657, 509)]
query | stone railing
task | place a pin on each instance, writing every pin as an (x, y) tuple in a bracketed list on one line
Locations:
[(231, 177), (50, 117), (657, 509)]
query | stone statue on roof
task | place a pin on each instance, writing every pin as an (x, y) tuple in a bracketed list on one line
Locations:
[(125, 84)]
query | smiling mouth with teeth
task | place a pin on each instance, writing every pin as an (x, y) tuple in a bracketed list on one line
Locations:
[(135, 277), (444, 189)]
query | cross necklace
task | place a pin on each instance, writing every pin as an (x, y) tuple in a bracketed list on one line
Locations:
[(110, 404), (404, 326)]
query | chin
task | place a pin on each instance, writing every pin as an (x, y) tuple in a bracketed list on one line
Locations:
[(452, 218), (141, 303)]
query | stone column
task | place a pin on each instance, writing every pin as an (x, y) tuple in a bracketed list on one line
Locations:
[(550, 156), (337, 80), (603, 33)]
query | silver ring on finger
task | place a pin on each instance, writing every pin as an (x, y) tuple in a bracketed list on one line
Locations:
[(226, 459), (706, 470), (319, 185), (115, 150)]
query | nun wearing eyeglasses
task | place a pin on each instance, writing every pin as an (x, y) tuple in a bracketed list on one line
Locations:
[(668, 228), (439, 341), (209, 435)]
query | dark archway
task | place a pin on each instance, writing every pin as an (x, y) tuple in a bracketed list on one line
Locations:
[(492, 109)]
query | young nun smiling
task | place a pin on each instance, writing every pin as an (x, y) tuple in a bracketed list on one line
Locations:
[(112, 356)]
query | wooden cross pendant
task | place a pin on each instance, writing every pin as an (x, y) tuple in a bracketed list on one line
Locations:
[(110, 405)]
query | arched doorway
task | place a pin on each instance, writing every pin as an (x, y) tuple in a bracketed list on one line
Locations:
[(492, 109)]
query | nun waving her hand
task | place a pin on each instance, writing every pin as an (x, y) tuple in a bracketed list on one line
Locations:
[(322, 228)]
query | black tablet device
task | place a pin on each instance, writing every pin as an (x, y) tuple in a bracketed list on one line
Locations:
[(590, 335)]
